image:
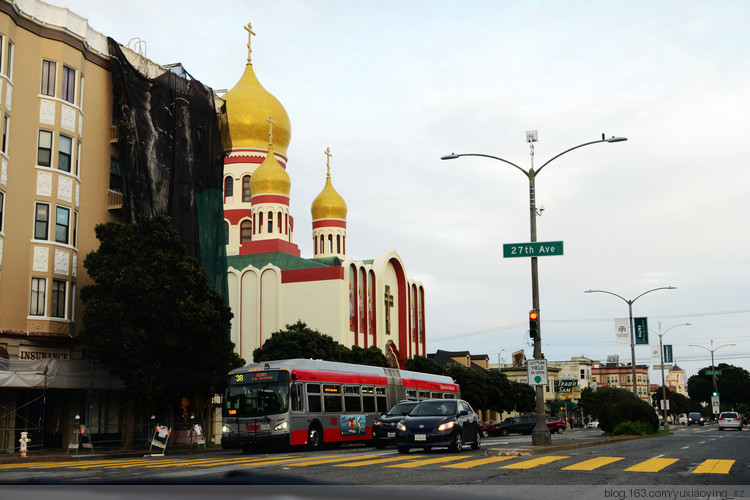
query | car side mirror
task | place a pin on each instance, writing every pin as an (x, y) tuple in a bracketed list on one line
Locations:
[(462, 413)]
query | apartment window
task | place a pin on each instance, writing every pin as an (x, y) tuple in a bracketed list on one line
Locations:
[(65, 149), (41, 221), (228, 187), (9, 61), (115, 174), (75, 229), (69, 84), (38, 291), (44, 149), (78, 157), (583, 373), (62, 225), (1, 50), (2, 209), (58, 298), (6, 127), (49, 69), (80, 93)]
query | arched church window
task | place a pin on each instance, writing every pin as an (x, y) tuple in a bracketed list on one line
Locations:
[(330, 243), (278, 223), (228, 187), (322, 244), (270, 222), (286, 223), (260, 222), (246, 231), (246, 189), (226, 233), (338, 243)]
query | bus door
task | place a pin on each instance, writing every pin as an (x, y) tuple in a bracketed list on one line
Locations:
[(395, 391)]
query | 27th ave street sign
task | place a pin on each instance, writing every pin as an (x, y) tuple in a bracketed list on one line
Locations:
[(535, 249)]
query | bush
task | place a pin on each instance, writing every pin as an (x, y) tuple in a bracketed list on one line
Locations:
[(633, 410), (633, 428)]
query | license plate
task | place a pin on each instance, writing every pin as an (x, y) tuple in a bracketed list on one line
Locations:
[(420, 437), (392, 434), (265, 427)]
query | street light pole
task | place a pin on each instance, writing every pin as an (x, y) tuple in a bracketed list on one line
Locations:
[(540, 435), (713, 367), (630, 317), (663, 383)]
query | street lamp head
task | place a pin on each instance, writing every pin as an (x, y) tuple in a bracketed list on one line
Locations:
[(451, 156), (615, 139)]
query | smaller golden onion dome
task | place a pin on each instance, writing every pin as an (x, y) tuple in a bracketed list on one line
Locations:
[(328, 204), (270, 177)]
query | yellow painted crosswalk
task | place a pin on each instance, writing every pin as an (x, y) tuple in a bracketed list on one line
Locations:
[(405, 461)]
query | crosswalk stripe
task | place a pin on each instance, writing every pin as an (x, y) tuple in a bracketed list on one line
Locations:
[(474, 463), (332, 460), (378, 461), (714, 467), (429, 461), (534, 462), (592, 464), (652, 465)]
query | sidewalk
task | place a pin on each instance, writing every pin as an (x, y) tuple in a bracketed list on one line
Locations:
[(59, 454)]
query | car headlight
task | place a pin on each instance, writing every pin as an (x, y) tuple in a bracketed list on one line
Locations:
[(281, 426), (400, 426), (446, 426), (225, 429)]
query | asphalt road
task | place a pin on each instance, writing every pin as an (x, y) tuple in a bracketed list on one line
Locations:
[(693, 460)]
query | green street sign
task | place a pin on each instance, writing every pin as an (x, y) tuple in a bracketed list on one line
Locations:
[(668, 354), (713, 372), (535, 249)]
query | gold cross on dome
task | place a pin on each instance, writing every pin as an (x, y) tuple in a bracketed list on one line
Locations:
[(250, 32), (328, 160), (270, 129)]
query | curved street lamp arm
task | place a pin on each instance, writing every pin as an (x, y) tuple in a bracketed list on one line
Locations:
[(653, 290), (568, 151), (611, 293), (452, 156)]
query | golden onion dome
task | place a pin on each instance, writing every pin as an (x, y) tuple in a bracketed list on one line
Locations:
[(248, 105), (328, 204), (270, 177)]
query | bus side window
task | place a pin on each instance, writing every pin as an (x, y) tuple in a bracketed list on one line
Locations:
[(381, 399), (368, 399), (352, 403), (332, 398), (296, 396), (313, 398)]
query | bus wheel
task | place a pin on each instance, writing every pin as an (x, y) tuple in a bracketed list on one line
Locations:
[(315, 438)]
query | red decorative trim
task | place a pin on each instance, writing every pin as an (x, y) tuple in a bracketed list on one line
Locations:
[(313, 274), (235, 215), (233, 160), (270, 198), (340, 378), (329, 223), (268, 246)]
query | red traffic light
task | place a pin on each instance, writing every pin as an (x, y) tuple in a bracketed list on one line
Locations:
[(533, 314)]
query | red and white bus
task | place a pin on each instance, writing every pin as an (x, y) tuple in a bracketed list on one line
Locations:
[(306, 402)]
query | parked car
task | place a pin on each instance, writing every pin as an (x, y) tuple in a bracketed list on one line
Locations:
[(695, 418), (486, 429), (439, 422), (594, 424), (522, 424), (384, 428), (683, 420), (730, 420), (556, 425)]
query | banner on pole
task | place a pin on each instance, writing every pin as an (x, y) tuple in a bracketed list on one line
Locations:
[(622, 331), (640, 329)]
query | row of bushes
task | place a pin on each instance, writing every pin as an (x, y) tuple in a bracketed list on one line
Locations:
[(620, 412)]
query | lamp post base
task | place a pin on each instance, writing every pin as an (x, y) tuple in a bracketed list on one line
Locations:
[(541, 438)]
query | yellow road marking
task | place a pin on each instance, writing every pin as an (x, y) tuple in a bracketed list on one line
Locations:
[(378, 461), (333, 460), (474, 463), (592, 464), (652, 465), (714, 467), (429, 461), (528, 464)]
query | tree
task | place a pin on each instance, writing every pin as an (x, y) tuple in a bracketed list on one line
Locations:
[(152, 319), (678, 404), (424, 365), (733, 385), (299, 341)]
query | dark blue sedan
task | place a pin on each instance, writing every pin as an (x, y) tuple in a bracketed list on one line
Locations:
[(439, 423)]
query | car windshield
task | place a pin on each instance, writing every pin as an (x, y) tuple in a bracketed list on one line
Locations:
[(434, 408), (695, 415), (400, 409)]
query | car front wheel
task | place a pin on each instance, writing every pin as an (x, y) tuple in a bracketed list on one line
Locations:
[(484, 433), (477, 442), (458, 442), (504, 432), (560, 430)]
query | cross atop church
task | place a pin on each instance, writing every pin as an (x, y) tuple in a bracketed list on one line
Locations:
[(270, 129), (328, 160), (250, 34)]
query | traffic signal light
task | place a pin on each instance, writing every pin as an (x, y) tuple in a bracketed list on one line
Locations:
[(534, 324), (715, 394)]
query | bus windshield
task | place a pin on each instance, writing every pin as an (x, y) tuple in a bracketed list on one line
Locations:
[(256, 399)]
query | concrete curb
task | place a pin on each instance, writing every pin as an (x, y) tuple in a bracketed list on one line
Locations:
[(523, 451)]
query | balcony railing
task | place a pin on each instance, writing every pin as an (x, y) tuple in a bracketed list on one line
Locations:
[(115, 199)]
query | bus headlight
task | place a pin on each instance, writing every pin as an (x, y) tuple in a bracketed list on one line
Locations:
[(225, 429), (281, 426)]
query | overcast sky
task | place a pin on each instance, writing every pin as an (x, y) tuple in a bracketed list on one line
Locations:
[(391, 86)]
